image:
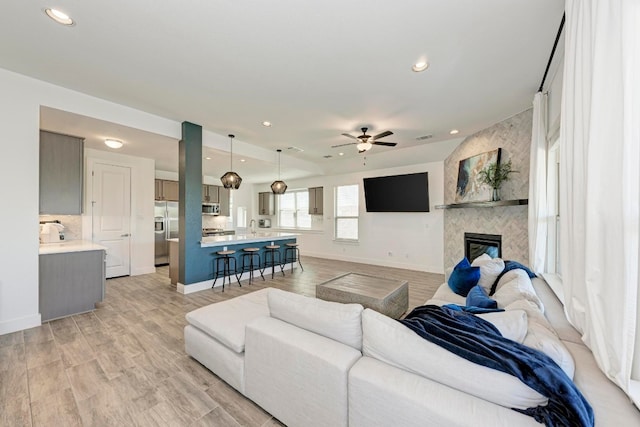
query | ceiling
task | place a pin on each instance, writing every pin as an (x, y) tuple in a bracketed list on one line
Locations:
[(313, 69)]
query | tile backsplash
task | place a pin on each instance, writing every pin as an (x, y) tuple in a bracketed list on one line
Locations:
[(72, 225)]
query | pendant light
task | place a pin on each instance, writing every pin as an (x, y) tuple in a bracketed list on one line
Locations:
[(278, 187), (231, 180)]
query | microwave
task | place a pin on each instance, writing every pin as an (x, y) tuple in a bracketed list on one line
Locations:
[(211, 209)]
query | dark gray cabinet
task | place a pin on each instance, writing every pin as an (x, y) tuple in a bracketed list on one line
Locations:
[(167, 190), (266, 204), (224, 195), (70, 283), (316, 199), (211, 193), (61, 173)]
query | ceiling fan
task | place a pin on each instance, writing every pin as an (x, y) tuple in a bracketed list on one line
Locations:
[(365, 142)]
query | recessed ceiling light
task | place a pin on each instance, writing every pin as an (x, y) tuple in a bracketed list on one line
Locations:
[(242, 160), (59, 16), (341, 154), (454, 131), (266, 124), (207, 158), (113, 143), (421, 65)]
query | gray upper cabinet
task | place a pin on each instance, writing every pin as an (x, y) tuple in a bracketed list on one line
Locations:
[(167, 190), (316, 199), (266, 204), (224, 200), (211, 193), (61, 173)]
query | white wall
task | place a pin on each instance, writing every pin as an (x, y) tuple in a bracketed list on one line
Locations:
[(19, 120), (142, 199), (415, 240)]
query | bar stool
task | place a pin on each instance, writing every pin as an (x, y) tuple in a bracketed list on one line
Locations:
[(271, 256), (225, 258), (291, 252), (249, 255)]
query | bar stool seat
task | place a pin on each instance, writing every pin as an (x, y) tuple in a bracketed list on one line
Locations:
[(249, 256), (292, 254), (226, 259), (271, 257)]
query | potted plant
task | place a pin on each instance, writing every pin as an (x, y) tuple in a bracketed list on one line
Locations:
[(495, 175)]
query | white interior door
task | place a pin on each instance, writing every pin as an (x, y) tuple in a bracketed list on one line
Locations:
[(112, 215)]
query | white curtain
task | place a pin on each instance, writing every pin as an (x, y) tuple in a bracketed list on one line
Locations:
[(538, 211), (600, 180)]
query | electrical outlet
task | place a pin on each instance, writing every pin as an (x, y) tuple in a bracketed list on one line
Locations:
[(224, 248), (390, 253)]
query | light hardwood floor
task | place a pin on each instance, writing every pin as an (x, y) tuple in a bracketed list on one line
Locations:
[(124, 363)]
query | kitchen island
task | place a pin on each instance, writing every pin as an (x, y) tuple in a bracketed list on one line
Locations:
[(212, 244), (71, 278)]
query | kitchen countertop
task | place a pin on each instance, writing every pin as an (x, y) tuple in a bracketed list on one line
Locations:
[(245, 238), (69, 246)]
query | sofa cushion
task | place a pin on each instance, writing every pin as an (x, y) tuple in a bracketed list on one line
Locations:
[(225, 321), (490, 269), (389, 341), (516, 286), (340, 322), (512, 324), (463, 277), (477, 297)]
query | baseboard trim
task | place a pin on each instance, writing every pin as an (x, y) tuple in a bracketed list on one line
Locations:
[(405, 266), (19, 324)]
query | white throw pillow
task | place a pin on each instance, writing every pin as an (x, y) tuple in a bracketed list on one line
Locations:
[(517, 289), (512, 324), (340, 322), (490, 269), (391, 342)]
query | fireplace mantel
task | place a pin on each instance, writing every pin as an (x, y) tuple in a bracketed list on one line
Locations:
[(516, 202)]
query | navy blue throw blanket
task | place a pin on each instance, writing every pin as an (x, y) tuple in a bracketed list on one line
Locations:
[(480, 342)]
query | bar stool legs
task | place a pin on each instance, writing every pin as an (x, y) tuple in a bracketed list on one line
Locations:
[(226, 260), (271, 256), (250, 255), (292, 254)]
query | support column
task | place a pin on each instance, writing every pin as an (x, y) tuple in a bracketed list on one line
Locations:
[(190, 208)]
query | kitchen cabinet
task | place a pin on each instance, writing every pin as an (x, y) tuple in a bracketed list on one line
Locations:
[(211, 193), (61, 173), (167, 190), (224, 196), (316, 199), (266, 204), (70, 282)]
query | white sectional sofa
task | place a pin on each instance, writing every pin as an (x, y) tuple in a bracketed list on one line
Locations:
[(310, 362)]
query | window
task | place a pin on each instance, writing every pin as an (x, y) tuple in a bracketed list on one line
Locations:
[(346, 203), (293, 209)]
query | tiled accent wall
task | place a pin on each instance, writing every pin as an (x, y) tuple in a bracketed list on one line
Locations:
[(513, 135)]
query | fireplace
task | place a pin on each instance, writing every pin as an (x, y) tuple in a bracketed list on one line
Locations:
[(476, 244)]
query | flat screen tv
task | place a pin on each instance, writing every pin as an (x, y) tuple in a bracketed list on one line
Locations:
[(397, 193)]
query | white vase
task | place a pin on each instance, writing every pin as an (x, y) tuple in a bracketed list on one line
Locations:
[(495, 195)]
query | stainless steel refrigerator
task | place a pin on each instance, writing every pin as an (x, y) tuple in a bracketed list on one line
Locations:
[(166, 227)]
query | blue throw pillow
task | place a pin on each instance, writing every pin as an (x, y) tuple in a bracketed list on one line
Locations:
[(477, 297), (463, 277)]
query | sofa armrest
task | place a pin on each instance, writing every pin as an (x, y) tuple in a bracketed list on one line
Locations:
[(296, 375), (380, 394)]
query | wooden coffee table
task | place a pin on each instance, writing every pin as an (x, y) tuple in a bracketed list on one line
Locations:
[(387, 296)]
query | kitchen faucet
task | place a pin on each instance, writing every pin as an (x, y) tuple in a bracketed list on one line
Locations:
[(252, 226)]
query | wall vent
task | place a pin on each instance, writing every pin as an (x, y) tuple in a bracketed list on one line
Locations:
[(422, 138), (328, 156)]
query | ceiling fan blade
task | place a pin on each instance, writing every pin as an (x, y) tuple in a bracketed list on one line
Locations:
[(349, 136), (342, 145), (386, 144), (383, 134)]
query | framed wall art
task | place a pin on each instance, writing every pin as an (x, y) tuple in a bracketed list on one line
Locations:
[(470, 188)]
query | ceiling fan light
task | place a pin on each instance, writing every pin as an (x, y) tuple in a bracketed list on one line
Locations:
[(364, 146)]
